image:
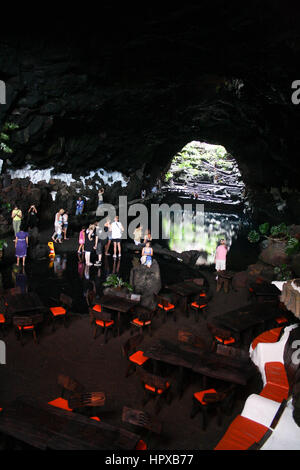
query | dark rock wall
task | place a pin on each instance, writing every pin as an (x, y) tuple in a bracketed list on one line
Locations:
[(126, 88)]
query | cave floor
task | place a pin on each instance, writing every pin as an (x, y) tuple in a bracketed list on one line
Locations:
[(32, 370)]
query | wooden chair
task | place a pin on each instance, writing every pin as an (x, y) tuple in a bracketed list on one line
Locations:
[(222, 335), (69, 386), (3, 323), (199, 305), (156, 387), (63, 305), (87, 399), (141, 419), (143, 320), (135, 357), (104, 321), (165, 305), (27, 323), (93, 309), (209, 400)]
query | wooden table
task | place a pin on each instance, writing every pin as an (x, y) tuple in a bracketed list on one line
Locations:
[(265, 292), (224, 279), (118, 304), (185, 289), (45, 427), (22, 304), (244, 319), (208, 364)]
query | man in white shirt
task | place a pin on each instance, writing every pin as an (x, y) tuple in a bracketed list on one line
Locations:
[(117, 230)]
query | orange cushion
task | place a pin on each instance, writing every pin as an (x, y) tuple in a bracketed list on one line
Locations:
[(280, 320), (141, 445), (270, 336), (156, 390), (225, 341), (2, 318), (58, 311), (274, 392), (167, 307), (28, 327), (199, 395), (138, 358), (241, 434), (97, 308), (96, 418), (195, 304), (276, 374), (60, 403), (136, 321), (105, 324)]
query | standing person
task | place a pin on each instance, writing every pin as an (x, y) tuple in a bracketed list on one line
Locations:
[(143, 193), (107, 226), (137, 234), (65, 223), (147, 254), (220, 256), (148, 236), (79, 206), (58, 223), (116, 233), (32, 217), (81, 240), (89, 244), (100, 202), (99, 242), (21, 244), (16, 216)]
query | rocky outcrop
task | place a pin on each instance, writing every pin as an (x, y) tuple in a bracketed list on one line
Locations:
[(128, 95)]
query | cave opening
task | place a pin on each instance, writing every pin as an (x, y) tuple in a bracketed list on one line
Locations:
[(207, 176)]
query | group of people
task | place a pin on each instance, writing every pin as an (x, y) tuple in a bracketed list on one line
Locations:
[(80, 204), (98, 239), (21, 225), (61, 222)]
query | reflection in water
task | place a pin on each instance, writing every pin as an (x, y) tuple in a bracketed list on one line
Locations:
[(201, 235), (60, 264)]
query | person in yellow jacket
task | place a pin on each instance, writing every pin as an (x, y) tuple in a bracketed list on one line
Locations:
[(16, 216)]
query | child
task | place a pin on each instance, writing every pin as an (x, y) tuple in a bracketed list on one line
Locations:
[(220, 257), (81, 240), (147, 254), (59, 234)]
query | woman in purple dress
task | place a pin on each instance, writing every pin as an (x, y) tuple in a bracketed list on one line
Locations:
[(21, 244)]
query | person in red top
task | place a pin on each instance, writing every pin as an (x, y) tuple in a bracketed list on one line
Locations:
[(220, 257)]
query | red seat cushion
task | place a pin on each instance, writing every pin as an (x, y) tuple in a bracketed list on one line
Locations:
[(138, 358), (104, 324), (58, 311), (200, 395), (2, 318), (97, 308), (138, 322), (95, 418), (241, 434), (60, 403), (275, 393), (27, 327), (281, 320), (197, 305), (225, 341), (277, 386), (157, 390), (270, 336), (141, 445), (168, 306)]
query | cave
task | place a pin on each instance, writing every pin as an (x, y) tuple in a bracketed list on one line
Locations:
[(118, 100)]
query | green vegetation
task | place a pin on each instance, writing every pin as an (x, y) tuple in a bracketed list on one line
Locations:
[(277, 232), (115, 281), (283, 273), (201, 159), (5, 137)]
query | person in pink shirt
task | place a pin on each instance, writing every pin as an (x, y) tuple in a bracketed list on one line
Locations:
[(220, 257)]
